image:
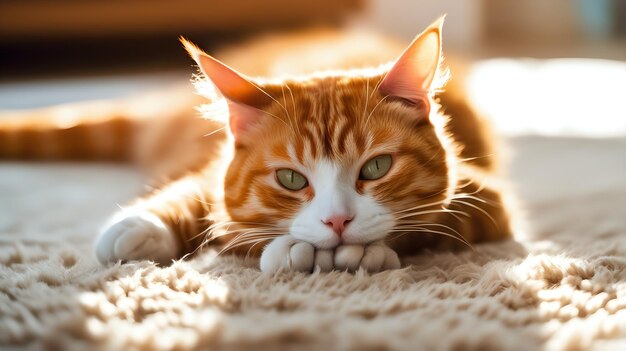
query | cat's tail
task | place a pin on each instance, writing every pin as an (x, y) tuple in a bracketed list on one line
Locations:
[(83, 131), (149, 128)]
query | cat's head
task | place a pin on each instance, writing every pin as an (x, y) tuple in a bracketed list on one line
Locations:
[(339, 157)]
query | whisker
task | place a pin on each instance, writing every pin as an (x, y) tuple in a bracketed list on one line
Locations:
[(367, 97), (228, 224), (438, 225), (470, 197), (419, 206), (243, 239), (252, 247), (377, 86), (481, 210), (278, 118), (474, 158), (417, 230), (215, 131), (446, 210), (276, 101), (469, 182), (293, 103), (231, 246), (374, 109), (268, 95)]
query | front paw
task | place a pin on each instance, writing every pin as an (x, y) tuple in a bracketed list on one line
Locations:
[(374, 257), (137, 236), (288, 253)]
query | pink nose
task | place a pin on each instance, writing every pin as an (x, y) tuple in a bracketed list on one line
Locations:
[(338, 223)]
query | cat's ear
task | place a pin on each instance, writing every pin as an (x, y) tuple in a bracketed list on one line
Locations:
[(245, 99), (412, 75)]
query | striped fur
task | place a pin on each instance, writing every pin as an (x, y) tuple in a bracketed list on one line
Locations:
[(218, 190)]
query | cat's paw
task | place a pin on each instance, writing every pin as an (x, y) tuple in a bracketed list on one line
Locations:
[(285, 252), (288, 253), (138, 236), (373, 258)]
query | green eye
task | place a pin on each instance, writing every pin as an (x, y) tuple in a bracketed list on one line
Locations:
[(375, 168), (291, 179)]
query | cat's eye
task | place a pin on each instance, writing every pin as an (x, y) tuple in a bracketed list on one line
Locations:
[(375, 168), (291, 179)]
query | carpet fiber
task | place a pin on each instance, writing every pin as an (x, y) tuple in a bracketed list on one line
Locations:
[(561, 286)]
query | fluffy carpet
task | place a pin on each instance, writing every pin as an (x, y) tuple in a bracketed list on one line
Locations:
[(561, 286)]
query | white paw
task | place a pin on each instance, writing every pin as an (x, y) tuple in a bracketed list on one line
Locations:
[(136, 236), (373, 258), (288, 253)]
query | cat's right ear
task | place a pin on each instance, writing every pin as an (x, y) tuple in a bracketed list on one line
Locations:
[(245, 99)]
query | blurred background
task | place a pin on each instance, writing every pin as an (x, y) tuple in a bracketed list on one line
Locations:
[(52, 38), (51, 51)]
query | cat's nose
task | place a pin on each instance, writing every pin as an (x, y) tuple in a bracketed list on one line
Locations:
[(338, 223)]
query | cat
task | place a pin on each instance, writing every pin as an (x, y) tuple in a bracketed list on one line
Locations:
[(341, 169)]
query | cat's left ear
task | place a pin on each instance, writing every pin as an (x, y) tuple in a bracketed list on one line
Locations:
[(245, 99), (412, 75)]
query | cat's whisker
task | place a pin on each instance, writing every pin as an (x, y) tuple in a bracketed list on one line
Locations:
[(474, 158), (217, 225), (293, 103), (367, 97), (255, 224), (461, 186), (426, 225), (470, 182), (445, 210), (252, 233), (467, 196), (417, 229), (437, 225), (291, 119), (418, 207), (238, 235), (250, 249), (215, 131), (276, 101), (377, 86), (374, 109), (243, 240), (231, 245), (476, 198), (456, 217), (268, 95), (278, 118), (481, 210)]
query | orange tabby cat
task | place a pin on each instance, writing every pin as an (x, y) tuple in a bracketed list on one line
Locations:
[(336, 170)]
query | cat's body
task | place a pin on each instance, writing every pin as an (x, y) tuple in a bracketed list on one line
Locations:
[(300, 162)]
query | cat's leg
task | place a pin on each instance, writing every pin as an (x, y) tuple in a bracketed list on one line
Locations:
[(161, 226), (288, 253), (136, 235)]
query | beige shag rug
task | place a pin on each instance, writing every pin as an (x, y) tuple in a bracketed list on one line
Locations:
[(561, 287)]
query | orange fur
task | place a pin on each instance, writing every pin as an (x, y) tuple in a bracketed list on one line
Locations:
[(228, 191)]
